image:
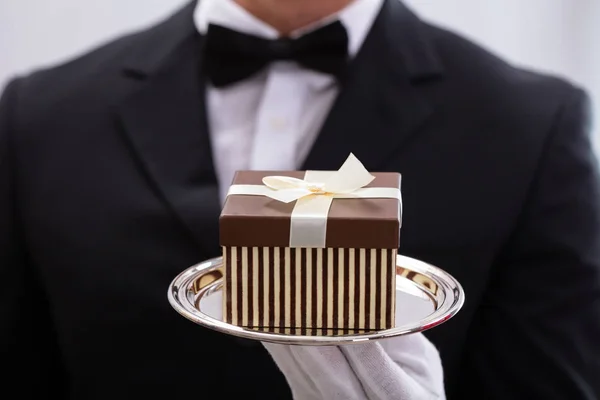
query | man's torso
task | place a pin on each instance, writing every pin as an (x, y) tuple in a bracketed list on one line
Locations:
[(116, 193)]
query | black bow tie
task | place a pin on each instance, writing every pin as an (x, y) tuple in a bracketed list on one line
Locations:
[(232, 56)]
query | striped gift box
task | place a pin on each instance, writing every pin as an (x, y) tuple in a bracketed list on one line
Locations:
[(347, 285), (309, 291)]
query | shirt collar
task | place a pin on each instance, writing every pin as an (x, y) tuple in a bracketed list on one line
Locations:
[(357, 18)]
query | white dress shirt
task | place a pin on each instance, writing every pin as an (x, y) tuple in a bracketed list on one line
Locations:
[(270, 121)]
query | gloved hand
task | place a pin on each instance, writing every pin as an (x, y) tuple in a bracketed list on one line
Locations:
[(403, 368)]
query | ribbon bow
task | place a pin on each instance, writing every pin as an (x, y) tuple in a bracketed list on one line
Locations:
[(351, 176), (314, 195)]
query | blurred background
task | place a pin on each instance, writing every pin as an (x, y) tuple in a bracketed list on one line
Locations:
[(561, 37)]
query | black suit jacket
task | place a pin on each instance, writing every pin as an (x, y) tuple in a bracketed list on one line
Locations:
[(108, 191)]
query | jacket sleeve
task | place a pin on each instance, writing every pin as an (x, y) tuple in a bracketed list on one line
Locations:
[(29, 355), (537, 334)]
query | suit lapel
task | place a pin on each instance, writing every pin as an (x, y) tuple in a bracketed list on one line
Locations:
[(381, 104), (380, 107), (164, 120)]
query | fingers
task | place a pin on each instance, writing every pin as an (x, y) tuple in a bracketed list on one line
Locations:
[(380, 377), (330, 372), (316, 373), (418, 356), (403, 373), (300, 382), (404, 368)]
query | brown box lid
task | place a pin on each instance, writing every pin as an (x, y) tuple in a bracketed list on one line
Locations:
[(248, 220)]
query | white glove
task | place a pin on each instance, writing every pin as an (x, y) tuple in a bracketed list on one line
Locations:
[(403, 368)]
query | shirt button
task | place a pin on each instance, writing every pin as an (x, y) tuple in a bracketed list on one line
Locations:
[(278, 124)]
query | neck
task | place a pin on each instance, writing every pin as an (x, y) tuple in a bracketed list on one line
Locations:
[(289, 15)]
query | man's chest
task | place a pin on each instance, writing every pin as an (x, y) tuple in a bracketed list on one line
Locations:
[(108, 232), (108, 220), (267, 122)]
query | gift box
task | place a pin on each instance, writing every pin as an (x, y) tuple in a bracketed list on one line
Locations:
[(311, 252)]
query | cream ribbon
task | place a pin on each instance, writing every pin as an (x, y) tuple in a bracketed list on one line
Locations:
[(314, 195)]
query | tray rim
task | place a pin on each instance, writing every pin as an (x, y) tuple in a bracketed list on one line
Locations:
[(452, 301)]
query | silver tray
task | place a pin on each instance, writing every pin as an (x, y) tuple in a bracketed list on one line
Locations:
[(426, 296)]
